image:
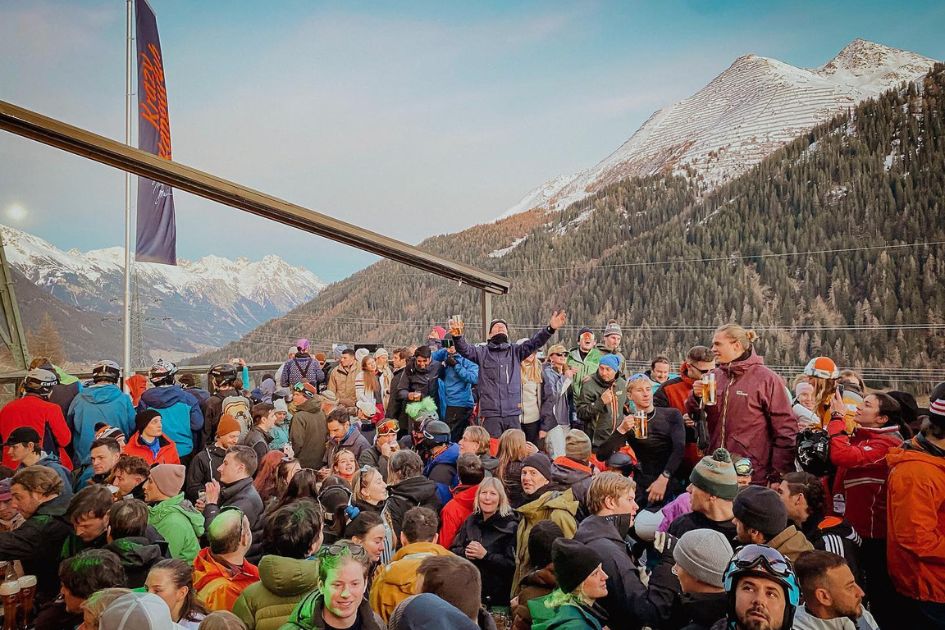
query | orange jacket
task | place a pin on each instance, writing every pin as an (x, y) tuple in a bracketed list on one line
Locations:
[(915, 543), (218, 586), (167, 454)]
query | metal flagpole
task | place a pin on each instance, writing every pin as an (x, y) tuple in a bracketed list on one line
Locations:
[(126, 320)]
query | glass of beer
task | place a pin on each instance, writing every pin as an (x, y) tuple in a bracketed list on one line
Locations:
[(708, 389), (456, 325), (10, 594), (640, 424), (27, 595)]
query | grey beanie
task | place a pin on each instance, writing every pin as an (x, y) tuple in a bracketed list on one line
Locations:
[(137, 611), (704, 554), (760, 508)]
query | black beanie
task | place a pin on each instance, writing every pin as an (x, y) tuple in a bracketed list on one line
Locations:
[(540, 541), (574, 562), (143, 418), (760, 508), (540, 462), (497, 321)]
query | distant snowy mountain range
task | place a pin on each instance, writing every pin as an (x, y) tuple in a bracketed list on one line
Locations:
[(184, 309), (747, 112)]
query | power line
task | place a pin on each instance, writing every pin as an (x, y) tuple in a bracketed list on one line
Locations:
[(728, 258)]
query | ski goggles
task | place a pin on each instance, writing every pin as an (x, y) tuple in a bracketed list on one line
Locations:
[(743, 467)]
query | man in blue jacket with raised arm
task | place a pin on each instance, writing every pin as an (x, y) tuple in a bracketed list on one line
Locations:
[(500, 378), (456, 382)]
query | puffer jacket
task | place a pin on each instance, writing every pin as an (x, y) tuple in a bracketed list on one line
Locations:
[(218, 585), (456, 381), (500, 377), (167, 451), (455, 513), (559, 507), (861, 473), (283, 582), (497, 536), (42, 415), (395, 582), (601, 420), (98, 403), (180, 415), (535, 585), (442, 471), (180, 524), (675, 391), (555, 411), (752, 417), (915, 536)]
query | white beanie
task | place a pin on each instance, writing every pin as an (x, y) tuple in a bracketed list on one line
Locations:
[(704, 554)]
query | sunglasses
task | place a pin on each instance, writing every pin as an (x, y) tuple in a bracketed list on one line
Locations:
[(701, 371), (338, 550), (556, 354)]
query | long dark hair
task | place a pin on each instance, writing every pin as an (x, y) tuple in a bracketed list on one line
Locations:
[(182, 574), (892, 410), (304, 485)]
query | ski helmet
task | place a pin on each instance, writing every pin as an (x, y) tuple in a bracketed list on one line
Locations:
[(813, 452), (223, 374), (766, 562), (822, 367), (107, 371), (40, 382), (162, 373), (436, 433)]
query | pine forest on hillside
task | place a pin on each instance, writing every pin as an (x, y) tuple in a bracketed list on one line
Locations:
[(767, 249)]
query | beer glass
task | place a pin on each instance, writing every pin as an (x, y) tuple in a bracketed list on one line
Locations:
[(708, 389), (27, 595), (10, 594)]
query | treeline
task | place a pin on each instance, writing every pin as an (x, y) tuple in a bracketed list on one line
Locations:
[(809, 246)]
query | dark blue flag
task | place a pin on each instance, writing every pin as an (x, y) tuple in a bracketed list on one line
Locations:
[(156, 229)]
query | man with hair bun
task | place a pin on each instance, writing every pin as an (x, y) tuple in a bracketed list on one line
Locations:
[(752, 416)]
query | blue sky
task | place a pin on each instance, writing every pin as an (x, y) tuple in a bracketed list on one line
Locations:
[(411, 119)]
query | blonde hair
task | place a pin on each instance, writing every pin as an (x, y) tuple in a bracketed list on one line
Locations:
[(512, 448), (607, 485), (738, 334), (505, 508), (359, 479), (531, 372), (481, 436), (100, 600)]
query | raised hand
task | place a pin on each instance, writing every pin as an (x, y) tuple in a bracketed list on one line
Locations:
[(558, 319)]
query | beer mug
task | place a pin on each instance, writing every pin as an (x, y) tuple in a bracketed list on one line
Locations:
[(27, 595), (640, 422), (456, 325), (708, 389)]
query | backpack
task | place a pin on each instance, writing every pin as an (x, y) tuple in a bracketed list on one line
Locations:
[(238, 407)]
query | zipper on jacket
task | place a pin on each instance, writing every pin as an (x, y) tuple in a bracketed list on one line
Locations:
[(728, 389)]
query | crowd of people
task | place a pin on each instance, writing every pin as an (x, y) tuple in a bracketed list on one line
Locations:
[(506, 484)]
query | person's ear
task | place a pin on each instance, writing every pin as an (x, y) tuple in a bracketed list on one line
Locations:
[(823, 597), (403, 540)]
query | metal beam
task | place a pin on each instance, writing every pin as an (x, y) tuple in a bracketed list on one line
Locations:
[(16, 339), (29, 124)]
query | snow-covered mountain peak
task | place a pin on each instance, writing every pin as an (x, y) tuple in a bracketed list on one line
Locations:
[(750, 110), (236, 295)]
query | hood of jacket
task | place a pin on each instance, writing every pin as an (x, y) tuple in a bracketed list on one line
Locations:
[(207, 568), (53, 507), (312, 405), (416, 489), (913, 451), (288, 577), (405, 573), (597, 528), (740, 366), (100, 394), (465, 496), (178, 503), (704, 608), (791, 542), (550, 500), (137, 551), (166, 396), (448, 456)]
